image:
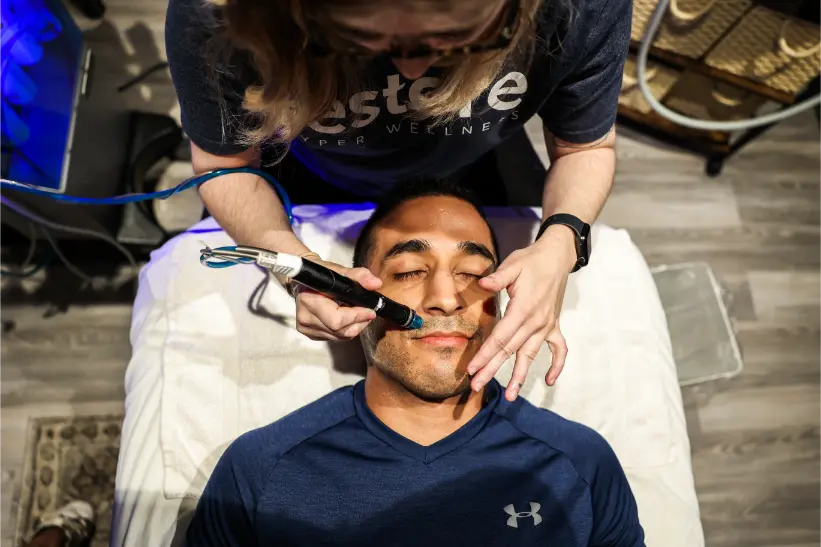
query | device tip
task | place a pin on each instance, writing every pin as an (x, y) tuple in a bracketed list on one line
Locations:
[(416, 322)]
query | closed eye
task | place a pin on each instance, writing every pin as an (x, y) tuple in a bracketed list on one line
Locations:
[(402, 276)]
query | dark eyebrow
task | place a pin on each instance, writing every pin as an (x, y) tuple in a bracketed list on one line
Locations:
[(410, 246), (473, 248), (470, 248)]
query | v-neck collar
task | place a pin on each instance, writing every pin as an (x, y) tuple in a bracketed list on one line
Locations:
[(427, 454)]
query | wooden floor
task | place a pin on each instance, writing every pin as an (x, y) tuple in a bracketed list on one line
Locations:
[(755, 438)]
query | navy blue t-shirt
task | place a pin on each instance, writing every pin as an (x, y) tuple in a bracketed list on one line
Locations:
[(367, 142), (332, 473)]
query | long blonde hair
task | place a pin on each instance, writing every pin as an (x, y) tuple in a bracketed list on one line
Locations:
[(296, 88)]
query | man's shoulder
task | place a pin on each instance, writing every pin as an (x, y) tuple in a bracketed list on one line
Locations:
[(584, 447), (275, 440)]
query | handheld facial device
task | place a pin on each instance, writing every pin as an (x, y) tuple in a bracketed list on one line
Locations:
[(318, 278)]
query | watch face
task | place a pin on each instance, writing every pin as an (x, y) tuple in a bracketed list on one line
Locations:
[(585, 243), (582, 231)]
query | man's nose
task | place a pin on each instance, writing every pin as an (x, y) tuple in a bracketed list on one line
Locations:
[(412, 69), (442, 296)]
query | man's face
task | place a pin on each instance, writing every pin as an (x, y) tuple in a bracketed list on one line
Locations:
[(430, 253)]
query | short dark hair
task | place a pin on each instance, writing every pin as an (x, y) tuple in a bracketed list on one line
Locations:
[(404, 192)]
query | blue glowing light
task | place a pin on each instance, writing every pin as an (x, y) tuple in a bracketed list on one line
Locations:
[(41, 55)]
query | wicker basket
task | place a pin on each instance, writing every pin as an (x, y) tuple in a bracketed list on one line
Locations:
[(771, 48), (690, 27), (659, 77), (706, 99)]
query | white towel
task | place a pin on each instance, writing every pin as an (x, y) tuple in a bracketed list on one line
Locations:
[(227, 369)]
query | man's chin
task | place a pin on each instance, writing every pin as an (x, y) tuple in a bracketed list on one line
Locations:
[(429, 372), (437, 388), (439, 396)]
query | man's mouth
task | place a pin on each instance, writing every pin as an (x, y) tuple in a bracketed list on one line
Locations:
[(448, 339)]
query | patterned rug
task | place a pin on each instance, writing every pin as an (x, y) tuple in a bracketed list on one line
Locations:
[(71, 458)]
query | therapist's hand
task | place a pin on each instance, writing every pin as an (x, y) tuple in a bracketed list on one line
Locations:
[(321, 318), (535, 279)]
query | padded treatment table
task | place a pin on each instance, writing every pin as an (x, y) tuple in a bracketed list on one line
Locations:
[(215, 354)]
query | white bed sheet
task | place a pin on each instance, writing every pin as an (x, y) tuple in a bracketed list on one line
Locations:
[(205, 369)]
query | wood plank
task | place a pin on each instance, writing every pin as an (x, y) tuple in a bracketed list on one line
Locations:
[(704, 142), (742, 450), (761, 408), (734, 250), (786, 298), (774, 200), (670, 205)]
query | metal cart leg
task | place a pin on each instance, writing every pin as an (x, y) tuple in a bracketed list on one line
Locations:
[(715, 163)]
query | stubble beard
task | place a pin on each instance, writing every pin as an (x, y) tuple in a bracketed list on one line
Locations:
[(438, 382)]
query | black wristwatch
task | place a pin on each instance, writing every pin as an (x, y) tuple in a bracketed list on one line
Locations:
[(581, 231)]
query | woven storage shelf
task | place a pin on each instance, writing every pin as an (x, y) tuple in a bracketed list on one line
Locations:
[(659, 77), (690, 27), (714, 142), (771, 48), (700, 97)]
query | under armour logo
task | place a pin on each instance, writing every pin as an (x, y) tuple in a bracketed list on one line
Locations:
[(513, 521)]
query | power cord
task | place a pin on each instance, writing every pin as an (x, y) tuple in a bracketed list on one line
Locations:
[(22, 211), (21, 271), (30, 271), (25, 270), (70, 265), (190, 182)]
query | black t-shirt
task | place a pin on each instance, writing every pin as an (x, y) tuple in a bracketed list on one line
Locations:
[(572, 81)]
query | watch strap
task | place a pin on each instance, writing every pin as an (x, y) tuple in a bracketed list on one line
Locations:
[(574, 223), (566, 219)]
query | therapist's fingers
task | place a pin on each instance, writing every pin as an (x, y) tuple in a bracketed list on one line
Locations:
[(318, 312), (319, 335), (558, 347), (331, 314), (324, 335), (315, 334), (524, 357), (500, 340), (321, 332), (505, 275), (354, 330), (363, 276), (500, 350)]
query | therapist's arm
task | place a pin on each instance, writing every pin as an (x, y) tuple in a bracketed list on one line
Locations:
[(245, 205), (579, 179), (578, 182)]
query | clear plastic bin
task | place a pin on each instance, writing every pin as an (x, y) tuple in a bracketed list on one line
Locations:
[(704, 343)]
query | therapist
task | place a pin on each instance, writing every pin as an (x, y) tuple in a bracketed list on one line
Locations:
[(341, 99)]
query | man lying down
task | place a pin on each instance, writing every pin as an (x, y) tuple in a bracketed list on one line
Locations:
[(410, 455)]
